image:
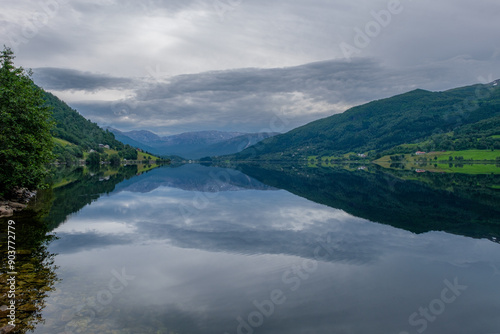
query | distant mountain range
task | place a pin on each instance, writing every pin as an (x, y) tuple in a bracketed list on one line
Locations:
[(191, 145), (192, 177), (457, 119)]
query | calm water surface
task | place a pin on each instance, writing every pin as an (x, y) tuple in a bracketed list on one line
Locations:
[(209, 250)]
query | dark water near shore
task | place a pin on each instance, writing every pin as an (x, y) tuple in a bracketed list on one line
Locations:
[(198, 249)]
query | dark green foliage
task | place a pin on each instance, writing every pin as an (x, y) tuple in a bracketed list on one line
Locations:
[(73, 127), (470, 209), (471, 136), (68, 154), (25, 139), (93, 159), (115, 160), (397, 157), (74, 151), (32, 238), (128, 153), (409, 118), (25, 114), (86, 189)]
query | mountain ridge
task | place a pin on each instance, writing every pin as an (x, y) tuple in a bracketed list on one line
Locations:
[(191, 145), (384, 124)]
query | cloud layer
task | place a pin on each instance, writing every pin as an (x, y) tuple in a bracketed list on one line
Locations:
[(275, 100), (173, 66)]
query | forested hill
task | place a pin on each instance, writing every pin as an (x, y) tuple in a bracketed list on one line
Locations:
[(380, 125), (75, 128), (83, 134)]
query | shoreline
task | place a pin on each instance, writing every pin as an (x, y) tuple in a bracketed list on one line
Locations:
[(18, 202)]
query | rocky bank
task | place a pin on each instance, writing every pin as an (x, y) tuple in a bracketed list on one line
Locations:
[(19, 201)]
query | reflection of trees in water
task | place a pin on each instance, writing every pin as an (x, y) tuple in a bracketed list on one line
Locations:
[(455, 203), (35, 271), (399, 165), (82, 187)]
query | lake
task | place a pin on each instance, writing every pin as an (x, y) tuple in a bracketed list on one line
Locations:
[(263, 249)]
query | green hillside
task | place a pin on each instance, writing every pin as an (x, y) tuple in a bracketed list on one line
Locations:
[(462, 116), (74, 128), (74, 135)]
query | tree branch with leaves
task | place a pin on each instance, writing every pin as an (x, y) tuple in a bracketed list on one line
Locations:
[(25, 128)]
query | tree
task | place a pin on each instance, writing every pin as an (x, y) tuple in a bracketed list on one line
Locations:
[(128, 153), (25, 124), (94, 159), (115, 160)]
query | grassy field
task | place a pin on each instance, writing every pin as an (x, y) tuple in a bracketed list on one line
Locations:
[(62, 142), (479, 155), (145, 168), (442, 163), (110, 151), (145, 156), (474, 169), (465, 169), (476, 155), (140, 155)]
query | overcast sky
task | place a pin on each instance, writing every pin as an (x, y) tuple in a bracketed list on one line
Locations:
[(172, 66)]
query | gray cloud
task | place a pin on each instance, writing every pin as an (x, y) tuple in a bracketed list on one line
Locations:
[(236, 65), (252, 99), (124, 38), (66, 79), (68, 243)]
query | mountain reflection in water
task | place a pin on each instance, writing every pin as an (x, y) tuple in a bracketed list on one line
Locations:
[(198, 249)]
